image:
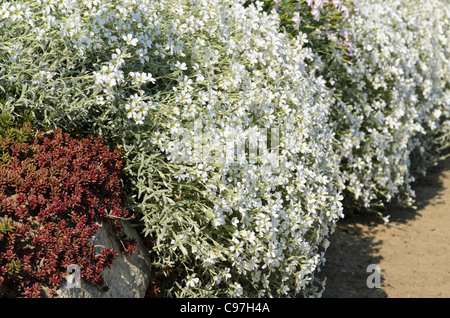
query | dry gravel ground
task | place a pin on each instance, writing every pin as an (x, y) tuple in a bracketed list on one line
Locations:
[(412, 250)]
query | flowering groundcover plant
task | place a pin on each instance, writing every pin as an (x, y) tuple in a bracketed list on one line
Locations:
[(320, 24), (392, 104), (392, 99), (188, 89), (139, 73), (55, 191)]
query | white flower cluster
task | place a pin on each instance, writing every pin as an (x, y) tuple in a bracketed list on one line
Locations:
[(263, 231), (395, 95), (317, 7), (275, 212), (237, 152), (12, 12), (85, 28)]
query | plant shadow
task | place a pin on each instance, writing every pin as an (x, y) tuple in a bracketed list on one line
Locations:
[(355, 244)]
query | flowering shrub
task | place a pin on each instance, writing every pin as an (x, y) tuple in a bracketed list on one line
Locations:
[(320, 24), (261, 232), (54, 193), (141, 73), (393, 102), (236, 151)]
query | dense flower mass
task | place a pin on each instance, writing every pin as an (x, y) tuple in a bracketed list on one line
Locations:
[(274, 213), (163, 65), (320, 24), (394, 100), (241, 141)]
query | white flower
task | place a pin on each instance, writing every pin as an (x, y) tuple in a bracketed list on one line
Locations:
[(4, 13), (100, 100), (226, 273), (283, 290), (131, 110), (138, 118), (141, 78), (237, 290), (130, 39), (118, 58), (203, 97), (192, 280), (186, 83), (184, 97), (180, 66), (302, 38), (16, 12)]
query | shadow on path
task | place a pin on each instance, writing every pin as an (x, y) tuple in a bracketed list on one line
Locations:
[(355, 244)]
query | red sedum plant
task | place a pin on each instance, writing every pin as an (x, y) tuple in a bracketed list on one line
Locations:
[(55, 191)]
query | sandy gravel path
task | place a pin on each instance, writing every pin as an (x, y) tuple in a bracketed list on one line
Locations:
[(412, 250)]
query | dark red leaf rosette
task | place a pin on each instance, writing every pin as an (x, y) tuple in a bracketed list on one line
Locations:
[(55, 190)]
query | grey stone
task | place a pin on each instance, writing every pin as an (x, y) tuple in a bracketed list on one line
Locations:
[(127, 277)]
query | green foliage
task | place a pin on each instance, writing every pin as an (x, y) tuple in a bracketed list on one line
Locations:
[(140, 74), (14, 268), (6, 225), (15, 130)]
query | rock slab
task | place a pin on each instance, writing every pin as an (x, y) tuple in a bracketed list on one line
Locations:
[(127, 277)]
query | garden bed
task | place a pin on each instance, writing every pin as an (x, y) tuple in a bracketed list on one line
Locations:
[(246, 129)]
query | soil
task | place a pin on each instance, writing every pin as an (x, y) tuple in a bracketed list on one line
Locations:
[(412, 250)]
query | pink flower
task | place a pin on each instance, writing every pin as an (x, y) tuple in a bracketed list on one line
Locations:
[(315, 12), (296, 19), (319, 4), (345, 12)]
